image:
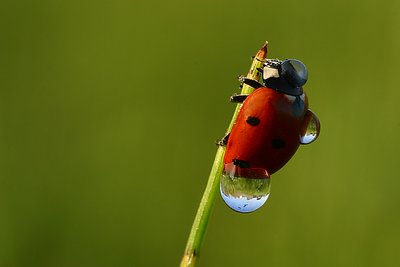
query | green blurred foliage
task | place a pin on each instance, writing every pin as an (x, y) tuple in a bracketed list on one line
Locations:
[(109, 111)]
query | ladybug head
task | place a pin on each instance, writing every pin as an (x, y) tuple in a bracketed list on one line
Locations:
[(286, 76)]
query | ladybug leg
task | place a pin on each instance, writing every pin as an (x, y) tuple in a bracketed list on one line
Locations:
[(223, 141), (238, 98), (253, 83)]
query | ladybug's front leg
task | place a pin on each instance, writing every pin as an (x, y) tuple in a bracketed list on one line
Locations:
[(250, 82), (238, 98)]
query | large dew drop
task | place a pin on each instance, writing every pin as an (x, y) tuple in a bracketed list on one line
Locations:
[(244, 194), (310, 128)]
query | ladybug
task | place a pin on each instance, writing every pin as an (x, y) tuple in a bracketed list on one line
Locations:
[(271, 124)]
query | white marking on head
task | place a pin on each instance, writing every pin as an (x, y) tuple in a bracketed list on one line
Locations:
[(290, 98), (270, 72), (303, 97)]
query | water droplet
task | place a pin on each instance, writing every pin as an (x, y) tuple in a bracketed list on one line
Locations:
[(246, 192), (310, 128)]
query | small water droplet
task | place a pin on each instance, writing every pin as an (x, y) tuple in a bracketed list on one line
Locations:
[(244, 193), (310, 128)]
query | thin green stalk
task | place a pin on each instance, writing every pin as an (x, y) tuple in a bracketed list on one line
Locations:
[(199, 226)]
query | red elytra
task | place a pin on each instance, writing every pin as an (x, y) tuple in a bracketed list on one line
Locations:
[(265, 134)]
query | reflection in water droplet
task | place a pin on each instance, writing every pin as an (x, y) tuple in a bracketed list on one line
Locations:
[(244, 194), (310, 128)]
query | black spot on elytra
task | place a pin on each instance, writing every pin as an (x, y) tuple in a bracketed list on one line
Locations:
[(278, 143), (253, 121), (241, 163)]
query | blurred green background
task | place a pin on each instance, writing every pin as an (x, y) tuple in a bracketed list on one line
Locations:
[(109, 111)]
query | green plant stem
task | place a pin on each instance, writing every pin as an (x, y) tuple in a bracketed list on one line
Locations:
[(200, 223)]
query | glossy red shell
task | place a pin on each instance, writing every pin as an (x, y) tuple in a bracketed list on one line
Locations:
[(269, 142)]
